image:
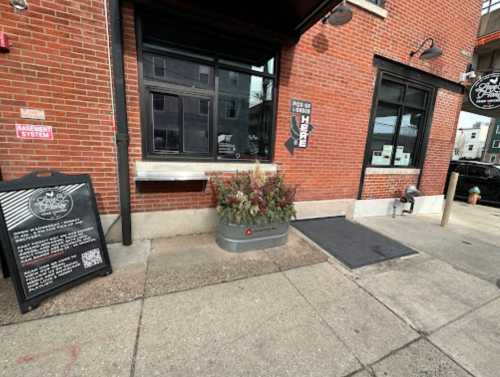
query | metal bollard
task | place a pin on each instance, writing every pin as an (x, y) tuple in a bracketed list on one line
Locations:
[(450, 195)]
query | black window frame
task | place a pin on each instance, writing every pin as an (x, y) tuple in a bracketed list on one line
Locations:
[(423, 132), (146, 87)]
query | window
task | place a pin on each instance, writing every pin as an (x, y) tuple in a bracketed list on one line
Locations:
[(496, 143), (479, 171), (473, 135), (204, 107), (498, 129), (176, 128), (189, 116), (204, 74), (490, 6), (470, 147), (493, 158), (230, 108), (377, 2), (398, 124), (159, 67), (233, 78)]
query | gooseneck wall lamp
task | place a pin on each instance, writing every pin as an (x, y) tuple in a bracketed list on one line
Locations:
[(432, 52), (19, 4), (340, 15)]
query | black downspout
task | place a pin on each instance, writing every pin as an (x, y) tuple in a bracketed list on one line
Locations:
[(122, 137)]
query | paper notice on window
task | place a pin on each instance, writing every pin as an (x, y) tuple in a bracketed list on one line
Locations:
[(402, 159), (380, 158), (387, 150)]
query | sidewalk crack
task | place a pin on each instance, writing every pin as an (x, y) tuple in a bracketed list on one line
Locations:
[(323, 320), (139, 322)]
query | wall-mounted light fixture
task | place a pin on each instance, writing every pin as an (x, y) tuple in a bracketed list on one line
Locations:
[(432, 52), (340, 15), (19, 4)]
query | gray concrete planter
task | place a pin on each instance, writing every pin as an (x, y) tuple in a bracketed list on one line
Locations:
[(239, 238)]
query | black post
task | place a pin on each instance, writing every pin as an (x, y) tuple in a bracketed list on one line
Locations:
[(3, 260), (122, 137)]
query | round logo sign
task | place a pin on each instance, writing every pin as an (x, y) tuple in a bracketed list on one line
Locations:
[(51, 204), (485, 93)]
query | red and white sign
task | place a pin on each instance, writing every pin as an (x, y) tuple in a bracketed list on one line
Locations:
[(30, 131)]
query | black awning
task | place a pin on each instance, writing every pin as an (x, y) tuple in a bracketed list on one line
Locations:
[(281, 21)]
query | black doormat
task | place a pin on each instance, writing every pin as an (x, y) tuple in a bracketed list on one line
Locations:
[(353, 244)]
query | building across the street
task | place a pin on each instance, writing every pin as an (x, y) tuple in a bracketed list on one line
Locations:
[(485, 62), (492, 147), (152, 97), (470, 141)]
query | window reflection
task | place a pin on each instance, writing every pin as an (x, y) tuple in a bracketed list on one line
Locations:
[(415, 97), (245, 115), (195, 125), (268, 67), (392, 92), (173, 128), (407, 139), (183, 119), (178, 72), (383, 135), (166, 123)]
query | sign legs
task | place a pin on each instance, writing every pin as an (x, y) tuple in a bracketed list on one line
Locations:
[(3, 262)]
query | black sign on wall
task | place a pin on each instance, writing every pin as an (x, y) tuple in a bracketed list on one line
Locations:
[(485, 93), (51, 235), (300, 127)]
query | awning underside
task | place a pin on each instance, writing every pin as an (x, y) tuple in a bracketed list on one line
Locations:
[(281, 21)]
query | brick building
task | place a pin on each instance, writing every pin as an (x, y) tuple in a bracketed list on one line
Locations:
[(486, 61), (165, 93)]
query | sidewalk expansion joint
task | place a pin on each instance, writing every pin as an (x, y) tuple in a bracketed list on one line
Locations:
[(323, 320), (450, 357), (463, 315), (139, 322)]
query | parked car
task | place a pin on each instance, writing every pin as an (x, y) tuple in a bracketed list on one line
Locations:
[(484, 175)]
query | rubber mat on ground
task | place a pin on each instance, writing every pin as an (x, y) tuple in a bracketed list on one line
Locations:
[(353, 244)]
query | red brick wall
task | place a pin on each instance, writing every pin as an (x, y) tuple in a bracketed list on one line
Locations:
[(381, 186), (441, 142), (333, 68), (59, 63)]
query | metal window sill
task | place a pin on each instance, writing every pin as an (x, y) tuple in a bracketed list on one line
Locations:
[(191, 171), (169, 176), (370, 7), (392, 171)]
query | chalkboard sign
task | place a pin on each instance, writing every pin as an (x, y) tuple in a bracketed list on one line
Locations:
[(51, 234)]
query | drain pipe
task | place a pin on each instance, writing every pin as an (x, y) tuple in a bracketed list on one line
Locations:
[(120, 115)]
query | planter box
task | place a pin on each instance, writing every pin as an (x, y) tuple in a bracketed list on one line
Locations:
[(238, 238)]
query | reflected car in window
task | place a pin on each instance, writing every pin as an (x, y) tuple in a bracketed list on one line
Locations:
[(484, 175)]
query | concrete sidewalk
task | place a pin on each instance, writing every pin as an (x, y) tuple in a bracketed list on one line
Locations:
[(157, 267), (285, 312), (470, 243)]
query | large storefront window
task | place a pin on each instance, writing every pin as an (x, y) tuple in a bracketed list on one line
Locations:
[(208, 108), (399, 123)]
